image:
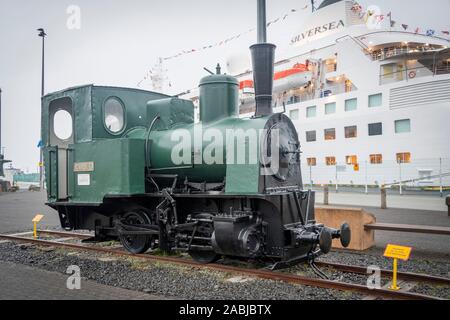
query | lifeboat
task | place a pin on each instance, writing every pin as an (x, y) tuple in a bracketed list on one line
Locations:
[(295, 77)]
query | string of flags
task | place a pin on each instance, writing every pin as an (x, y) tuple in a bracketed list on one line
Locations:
[(237, 36), (225, 41), (366, 14), (356, 8)]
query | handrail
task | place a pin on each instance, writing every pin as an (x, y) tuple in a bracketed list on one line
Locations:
[(429, 177), (391, 52)]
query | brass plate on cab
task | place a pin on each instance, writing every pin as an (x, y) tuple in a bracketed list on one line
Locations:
[(83, 167)]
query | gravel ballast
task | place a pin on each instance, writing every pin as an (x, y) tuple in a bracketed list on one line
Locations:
[(171, 281)]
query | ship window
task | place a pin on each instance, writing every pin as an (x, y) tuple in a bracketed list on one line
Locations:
[(375, 129), (404, 157), (310, 136), (62, 124), (351, 160), (351, 104), (330, 108), (311, 112), (351, 132), (403, 126), (312, 162), (293, 100), (330, 161), (114, 114), (330, 134), (375, 100), (387, 70), (376, 158), (293, 114)]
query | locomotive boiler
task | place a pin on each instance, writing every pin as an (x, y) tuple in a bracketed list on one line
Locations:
[(137, 167)]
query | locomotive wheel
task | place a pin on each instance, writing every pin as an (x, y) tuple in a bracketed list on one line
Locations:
[(136, 243)]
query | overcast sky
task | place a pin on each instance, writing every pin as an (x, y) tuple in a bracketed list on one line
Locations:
[(120, 40)]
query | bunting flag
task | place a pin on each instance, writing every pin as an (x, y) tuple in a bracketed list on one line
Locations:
[(430, 32), (356, 8)]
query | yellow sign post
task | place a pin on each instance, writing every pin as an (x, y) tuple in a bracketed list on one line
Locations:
[(396, 252), (35, 221)]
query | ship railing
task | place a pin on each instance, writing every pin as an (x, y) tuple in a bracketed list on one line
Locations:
[(412, 73), (387, 53), (306, 95)]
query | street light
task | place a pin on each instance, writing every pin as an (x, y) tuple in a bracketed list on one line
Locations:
[(42, 34), (1, 153)]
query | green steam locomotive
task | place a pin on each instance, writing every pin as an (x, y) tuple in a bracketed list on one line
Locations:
[(137, 167)]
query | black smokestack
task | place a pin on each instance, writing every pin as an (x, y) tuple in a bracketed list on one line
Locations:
[(263, 59)]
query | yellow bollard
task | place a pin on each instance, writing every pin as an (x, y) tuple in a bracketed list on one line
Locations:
[(394, 276), (35, 221), (396, 252), (34, 230)]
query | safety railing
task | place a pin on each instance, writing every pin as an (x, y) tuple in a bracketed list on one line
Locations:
[(418, 175), (412, 73)]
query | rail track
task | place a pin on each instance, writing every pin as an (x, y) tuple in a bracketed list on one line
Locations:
[(258, 273)]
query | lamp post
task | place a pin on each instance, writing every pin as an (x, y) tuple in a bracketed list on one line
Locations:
[(2, 149), (42, 34), (1, 153)]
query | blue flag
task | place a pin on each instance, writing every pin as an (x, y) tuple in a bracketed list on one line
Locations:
[(430, 32)]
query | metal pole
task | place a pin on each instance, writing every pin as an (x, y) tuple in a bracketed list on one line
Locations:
[(1, 149), (383, 197), (262, 32), (400, 174), (441, 189), (310, 175), (42, 34), (1, 122), (367, 187), (325, 195), (337, 188)]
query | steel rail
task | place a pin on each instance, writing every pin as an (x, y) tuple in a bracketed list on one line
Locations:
[(65, 234), (263, 274), (409, 276)]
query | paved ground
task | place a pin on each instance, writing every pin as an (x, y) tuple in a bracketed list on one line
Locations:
[(416, 202), (18, 209), (19, 282)]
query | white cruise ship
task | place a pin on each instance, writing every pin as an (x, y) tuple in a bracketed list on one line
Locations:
[(371, 105)]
